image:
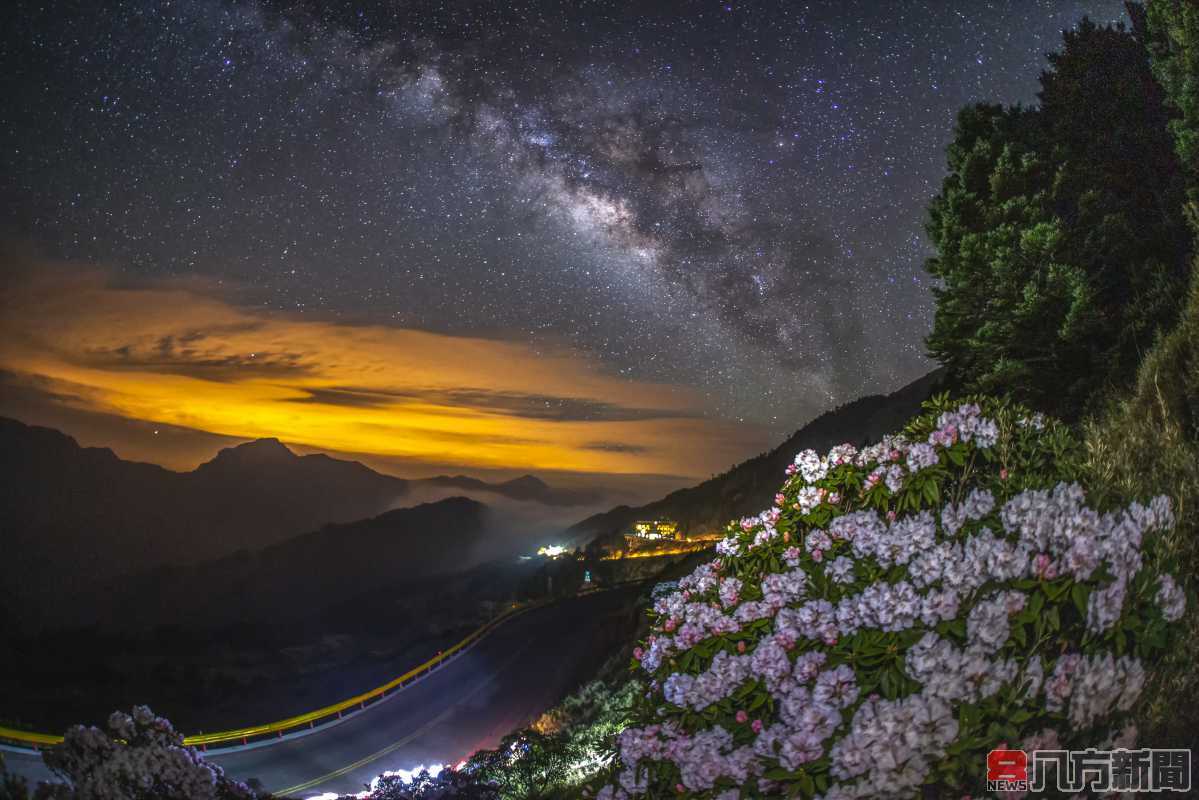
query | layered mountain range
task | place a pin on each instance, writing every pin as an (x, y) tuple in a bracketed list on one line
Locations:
[(75, 518)]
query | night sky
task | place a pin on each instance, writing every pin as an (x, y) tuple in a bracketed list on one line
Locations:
[(665, 234)]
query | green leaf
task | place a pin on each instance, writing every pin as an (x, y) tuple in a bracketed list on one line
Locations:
[(1036, 603), (779, 774), (1079, 594)]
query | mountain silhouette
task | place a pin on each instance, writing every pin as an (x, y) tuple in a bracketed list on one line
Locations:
[(527, 487)]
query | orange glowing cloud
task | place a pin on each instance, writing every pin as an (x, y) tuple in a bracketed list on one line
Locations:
[(183, 355)]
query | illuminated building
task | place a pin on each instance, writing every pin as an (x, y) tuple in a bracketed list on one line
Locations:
[(656, 530)]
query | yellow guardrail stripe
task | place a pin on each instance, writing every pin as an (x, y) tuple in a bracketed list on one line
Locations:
[(32, 738), (46, 739)]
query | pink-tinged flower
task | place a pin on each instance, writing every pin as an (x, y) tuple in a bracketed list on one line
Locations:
[(834, 498), (891, 516), (756, 725), (638, 653), (680, 788), (716, 564), (1003, 473), (670, 625), (740, 647), (818, 555), (780, 499), (895, 455), (742, 717)]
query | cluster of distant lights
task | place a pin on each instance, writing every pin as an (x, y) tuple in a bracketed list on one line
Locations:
[(580, 768), (406, 775), (553, 551)]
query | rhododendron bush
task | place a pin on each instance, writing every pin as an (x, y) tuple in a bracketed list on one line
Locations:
[(901, 610), (140, 757)]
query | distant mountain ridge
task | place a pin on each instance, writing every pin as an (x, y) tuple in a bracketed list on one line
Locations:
[(73, 516), (750, 486), (294, 579), (526, 487)]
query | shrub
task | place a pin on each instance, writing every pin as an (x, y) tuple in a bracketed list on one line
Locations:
[(567, 746), (139, 757), (441, 784), (900, 611)]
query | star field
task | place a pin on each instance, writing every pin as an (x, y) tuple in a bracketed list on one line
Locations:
[(725, 196)]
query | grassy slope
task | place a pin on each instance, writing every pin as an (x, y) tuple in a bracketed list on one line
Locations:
[(1147, 443)]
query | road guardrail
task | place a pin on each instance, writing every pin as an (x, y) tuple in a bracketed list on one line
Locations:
[(326, 715), (241, 736)]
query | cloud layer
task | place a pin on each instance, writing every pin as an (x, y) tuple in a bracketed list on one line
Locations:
[(181, 355)]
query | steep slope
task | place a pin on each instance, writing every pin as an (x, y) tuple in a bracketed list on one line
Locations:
[(750, 486)]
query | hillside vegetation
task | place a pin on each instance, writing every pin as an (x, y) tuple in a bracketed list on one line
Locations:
[(750, 486)]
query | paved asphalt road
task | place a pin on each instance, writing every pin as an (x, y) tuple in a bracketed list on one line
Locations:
[(503, 683)]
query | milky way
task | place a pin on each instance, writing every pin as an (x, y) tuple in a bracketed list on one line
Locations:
[(726, 196)]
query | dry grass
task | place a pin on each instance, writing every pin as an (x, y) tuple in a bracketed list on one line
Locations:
[(1147, 443)]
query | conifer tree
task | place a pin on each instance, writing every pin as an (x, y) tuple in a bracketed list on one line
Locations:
[(1061, 242)]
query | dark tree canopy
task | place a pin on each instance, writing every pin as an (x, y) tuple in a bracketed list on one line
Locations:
[(1173, 27), (1061, 241)]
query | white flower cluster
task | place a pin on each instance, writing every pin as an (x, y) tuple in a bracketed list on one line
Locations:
[(891, 746), (889, 456), (693, 620), (811, 467), (702, 759), (956, 674), (1170, 598), (717, 682), (1036, 421), (966, 424), (149, 759), (1093, 686)]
